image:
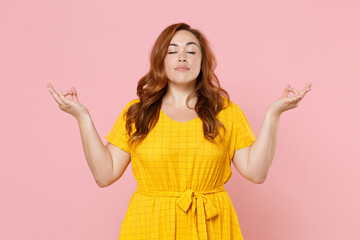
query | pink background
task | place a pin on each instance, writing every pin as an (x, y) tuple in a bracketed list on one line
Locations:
[(102, 49)]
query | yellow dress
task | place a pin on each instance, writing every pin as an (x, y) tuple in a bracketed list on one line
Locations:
[(180, 177)]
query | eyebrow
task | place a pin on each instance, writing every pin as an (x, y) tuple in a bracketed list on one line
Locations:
[(188, 43)]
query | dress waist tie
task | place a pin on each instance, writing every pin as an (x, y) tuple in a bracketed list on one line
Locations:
[(197, 199)]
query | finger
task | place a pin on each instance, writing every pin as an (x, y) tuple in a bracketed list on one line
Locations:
[(52, 89), (296, 92), (74, 94), (286, 90), (308, 86), (306, 89), (65, 93), (303, 93), (49, 86), (64, 99), (56, 96)]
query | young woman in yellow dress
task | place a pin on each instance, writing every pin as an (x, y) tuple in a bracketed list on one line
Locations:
[(181, 136)]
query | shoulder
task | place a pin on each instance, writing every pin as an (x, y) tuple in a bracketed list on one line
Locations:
[(136, 100), (231, 112), (229, 106), (128, 104)]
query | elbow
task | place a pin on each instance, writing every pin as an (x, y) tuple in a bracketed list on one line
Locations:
[(101, 184), (105, 182), (257, 176), (259, 179)]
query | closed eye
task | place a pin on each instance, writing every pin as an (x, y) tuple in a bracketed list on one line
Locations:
[(176, 52)]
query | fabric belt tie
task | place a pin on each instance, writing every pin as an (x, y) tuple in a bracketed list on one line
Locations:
[(201, 206)]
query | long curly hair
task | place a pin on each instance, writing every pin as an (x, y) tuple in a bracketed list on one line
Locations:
[(153, 86)]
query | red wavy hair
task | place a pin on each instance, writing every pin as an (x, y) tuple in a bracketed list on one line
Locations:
[(153, 86)]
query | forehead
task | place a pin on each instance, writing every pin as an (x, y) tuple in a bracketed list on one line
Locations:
[(182, 37)]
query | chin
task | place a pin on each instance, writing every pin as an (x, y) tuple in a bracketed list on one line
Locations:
[(182, 81)]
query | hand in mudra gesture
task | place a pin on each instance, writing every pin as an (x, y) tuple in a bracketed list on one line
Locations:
[(69, 105), (287, 102)]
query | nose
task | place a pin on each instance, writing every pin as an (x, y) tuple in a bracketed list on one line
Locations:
[(182, 57)]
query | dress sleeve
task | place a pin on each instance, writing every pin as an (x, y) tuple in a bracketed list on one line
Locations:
[(118, 135), (243, 136)]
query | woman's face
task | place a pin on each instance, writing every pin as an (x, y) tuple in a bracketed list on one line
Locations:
[(183, 60)]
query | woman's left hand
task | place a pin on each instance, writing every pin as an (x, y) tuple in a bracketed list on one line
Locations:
[(287, 102)]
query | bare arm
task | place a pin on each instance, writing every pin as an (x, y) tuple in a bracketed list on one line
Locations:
[(107, 163), (254, 162)]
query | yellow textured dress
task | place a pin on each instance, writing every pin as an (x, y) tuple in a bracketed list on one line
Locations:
[(180, 177)]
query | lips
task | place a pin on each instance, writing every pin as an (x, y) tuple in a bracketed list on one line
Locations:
[(182, 68)]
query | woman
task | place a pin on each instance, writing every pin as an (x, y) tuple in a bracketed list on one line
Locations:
[(181, 134)]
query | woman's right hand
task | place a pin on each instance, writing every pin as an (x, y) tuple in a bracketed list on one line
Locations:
[(71, 106)]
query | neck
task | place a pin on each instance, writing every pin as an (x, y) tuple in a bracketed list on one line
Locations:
[(176, 95)]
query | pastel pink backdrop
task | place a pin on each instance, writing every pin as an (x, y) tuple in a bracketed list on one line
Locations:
[(102, 48)]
